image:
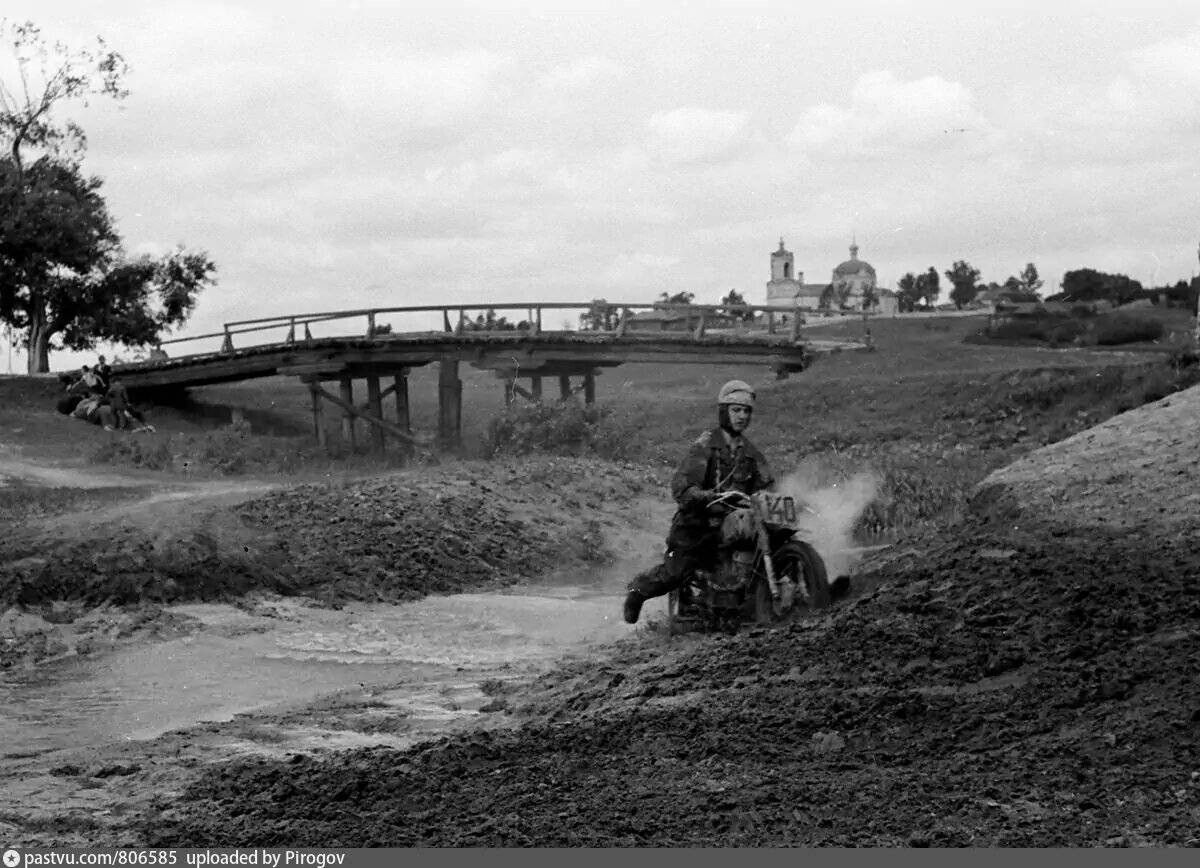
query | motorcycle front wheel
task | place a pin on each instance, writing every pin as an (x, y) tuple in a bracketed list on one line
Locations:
[(799, 562), (674, 625)]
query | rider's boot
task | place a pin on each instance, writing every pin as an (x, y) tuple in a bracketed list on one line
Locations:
[(633, 606)]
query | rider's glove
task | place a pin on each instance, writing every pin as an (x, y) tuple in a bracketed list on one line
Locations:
[(698, 498)]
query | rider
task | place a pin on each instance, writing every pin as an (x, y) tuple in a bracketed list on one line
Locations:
[(720, 460)]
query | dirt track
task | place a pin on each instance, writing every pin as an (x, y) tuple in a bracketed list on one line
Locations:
[(1029, 679)]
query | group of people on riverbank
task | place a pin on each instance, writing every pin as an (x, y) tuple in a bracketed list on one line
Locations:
[(94, 395)]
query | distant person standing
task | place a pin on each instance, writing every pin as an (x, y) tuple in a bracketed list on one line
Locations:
[(104, 371)]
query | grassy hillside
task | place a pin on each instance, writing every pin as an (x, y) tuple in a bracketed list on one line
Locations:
[(928, 412)]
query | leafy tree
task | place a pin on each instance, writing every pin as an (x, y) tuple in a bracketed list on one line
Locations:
[(684, 297), (62, 270), (932, 287), (908, 293), (965, 279), (1087, 284), (1030, 279), (735, 306), (63, 273), (601, 316)]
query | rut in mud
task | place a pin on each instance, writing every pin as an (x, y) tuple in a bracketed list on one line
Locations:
[(1027, 678), (1003, 689)]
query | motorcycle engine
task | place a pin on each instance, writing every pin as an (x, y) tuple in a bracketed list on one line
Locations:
[(737, 572)]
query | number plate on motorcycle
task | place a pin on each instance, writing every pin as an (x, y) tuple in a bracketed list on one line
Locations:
[(778, 509)]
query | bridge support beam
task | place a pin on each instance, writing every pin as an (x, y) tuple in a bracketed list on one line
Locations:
[(449, 404), (400, 386), (589, 387), (375, 408), (564, 387), (346, 388), (318, 413)]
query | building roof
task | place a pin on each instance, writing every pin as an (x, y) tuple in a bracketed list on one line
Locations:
[(854, 265)]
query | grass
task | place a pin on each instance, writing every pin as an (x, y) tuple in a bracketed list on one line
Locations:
[(929, 413)]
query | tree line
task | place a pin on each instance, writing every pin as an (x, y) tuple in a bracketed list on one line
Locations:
[(65, 278), (918, 291)]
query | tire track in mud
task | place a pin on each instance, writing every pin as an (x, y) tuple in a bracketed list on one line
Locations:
[(986, 693), (1030, 677)]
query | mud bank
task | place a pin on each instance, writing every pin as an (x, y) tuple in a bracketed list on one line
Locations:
[(1008, 683), (82, 581)]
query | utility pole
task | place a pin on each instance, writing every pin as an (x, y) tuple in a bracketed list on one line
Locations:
[(1196, 308)]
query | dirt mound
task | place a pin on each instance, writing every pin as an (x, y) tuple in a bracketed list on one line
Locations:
[(1136, 469), (1017, 683), (1001, 690), (399, 537)]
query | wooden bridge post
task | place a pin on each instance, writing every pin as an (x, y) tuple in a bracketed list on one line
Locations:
[(589, 387), (402, 412), (318, 413), (375, 408), (346, 387), (535, 386), (564, 386), (449, 403)]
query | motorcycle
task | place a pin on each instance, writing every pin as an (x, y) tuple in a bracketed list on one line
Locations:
[(765, 573)]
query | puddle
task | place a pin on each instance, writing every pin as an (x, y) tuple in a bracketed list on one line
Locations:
[(425, 659)]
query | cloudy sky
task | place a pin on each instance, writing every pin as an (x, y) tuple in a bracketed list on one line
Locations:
[(339, 154)]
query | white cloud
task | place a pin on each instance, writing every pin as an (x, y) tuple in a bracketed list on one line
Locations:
[(887, 115), (422, 91), (581, 73), (694, 135)]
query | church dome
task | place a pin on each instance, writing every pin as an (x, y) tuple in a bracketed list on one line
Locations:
[(854, 265)]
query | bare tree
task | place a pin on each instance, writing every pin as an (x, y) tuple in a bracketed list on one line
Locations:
[(46, 76)]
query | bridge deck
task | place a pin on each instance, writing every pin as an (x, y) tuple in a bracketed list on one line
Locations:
[(510, 354), (610, 335)]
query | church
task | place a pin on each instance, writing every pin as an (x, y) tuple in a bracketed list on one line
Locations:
[(851, 282)]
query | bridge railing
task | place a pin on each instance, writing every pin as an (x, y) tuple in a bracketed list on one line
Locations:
[(597, 317)]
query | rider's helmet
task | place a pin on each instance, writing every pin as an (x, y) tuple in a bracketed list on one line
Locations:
[(736, 392)]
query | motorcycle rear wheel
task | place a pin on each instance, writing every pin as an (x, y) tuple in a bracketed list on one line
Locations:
[(799, 562)]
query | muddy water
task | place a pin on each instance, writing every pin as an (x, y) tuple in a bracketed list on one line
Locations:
[(426, 660)]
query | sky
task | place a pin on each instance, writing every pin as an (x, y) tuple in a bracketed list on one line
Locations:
[(332, 155)]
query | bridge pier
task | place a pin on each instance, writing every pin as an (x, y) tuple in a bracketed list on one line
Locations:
[(449, 404), (400, 385), (346, 389), (375, 408), (318, 412)]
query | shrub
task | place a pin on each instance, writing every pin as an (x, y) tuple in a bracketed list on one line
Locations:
[(1049, 328), (134, 451), (566, 426), (1126, 328), (226, 451)]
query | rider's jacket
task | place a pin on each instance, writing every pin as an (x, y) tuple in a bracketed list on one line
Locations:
[(714, 463)]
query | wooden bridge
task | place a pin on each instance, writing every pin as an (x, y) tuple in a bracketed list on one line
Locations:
[(370, 348)]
